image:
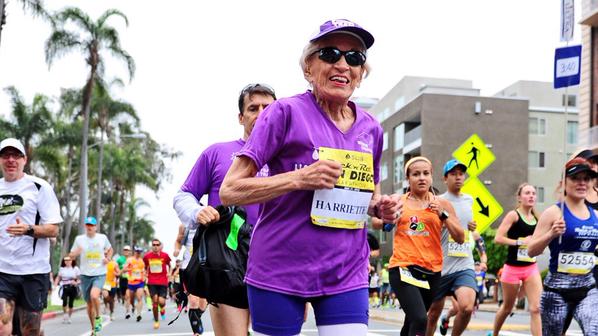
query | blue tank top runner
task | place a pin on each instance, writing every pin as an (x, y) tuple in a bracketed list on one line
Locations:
[(581, 237)]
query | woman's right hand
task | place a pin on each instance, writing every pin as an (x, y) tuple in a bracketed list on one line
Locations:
[(558, 227), (207, 215), (322, 174)]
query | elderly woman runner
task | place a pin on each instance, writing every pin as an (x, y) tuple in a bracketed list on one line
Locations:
[(323, 151)]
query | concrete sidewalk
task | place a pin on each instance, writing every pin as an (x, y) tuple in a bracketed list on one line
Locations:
[(397, 316)]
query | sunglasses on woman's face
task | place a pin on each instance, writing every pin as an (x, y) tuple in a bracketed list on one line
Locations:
[(332, 55)]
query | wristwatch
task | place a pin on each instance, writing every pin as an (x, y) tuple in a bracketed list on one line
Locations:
[(30, 231), (444, 215)]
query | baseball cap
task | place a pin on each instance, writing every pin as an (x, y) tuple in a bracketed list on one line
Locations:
[(477, 263), (14, 143), (91, 220), (452, 164), (587, 154), (578, 165), (345, 26), (138, 249), (127, 247)]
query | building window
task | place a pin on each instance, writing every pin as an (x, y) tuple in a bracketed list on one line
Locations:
[(398, 176), (570, 100), (572, 132), (536, 159), (384, 171), (537, 126), (399, 134), (540, 194)]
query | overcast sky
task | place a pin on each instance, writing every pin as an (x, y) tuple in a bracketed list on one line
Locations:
[(193, 57)]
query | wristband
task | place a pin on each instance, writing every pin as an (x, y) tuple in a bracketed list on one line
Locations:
[(387, 227)]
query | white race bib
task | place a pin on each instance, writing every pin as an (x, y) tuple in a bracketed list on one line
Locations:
[(523, 256), (346, 205), (155, 265), (459, 250), (576, 262), (407, 277)]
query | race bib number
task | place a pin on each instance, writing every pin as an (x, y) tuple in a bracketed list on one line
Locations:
[(135, 275), (459, 250), (523, 256), (346, 205), (107, 287), (94, 259), (407, 277), (576, 262), (155, 265)]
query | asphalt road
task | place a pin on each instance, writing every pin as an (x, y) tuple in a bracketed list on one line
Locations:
[(120, 327)]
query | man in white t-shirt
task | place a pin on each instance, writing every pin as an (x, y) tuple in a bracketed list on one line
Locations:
[(95, 251), (29, 216)]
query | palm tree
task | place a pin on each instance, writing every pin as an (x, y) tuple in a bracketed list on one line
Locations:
[(35, 7), (29, 123), (91, 39), (107, 109)]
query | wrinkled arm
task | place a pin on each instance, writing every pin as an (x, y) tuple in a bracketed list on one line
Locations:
[(187, 207), (241, 187)]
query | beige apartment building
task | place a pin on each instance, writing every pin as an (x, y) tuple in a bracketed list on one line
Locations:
[(588, 89), (553, 136)]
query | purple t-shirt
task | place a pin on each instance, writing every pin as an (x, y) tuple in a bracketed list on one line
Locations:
[(288, 253), (209, 171)]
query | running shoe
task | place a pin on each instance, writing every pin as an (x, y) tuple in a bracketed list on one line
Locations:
[(156, 324), (111, 316), (138, 318), (128, 316), (97, 327), (444, 325)]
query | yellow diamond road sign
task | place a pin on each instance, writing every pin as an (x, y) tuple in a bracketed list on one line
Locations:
[(475, 155), (485, 207)]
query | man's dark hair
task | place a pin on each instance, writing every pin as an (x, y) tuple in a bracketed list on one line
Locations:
[(250, 89)]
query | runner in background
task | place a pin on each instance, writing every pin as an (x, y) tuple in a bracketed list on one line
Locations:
[(110, 286), (416, 262), (122, 280), (157, 264), (516, 231), (95, 251), (68, 279), (136, 269), (458, 277), (197, 305), (231, 315), (572, 236)]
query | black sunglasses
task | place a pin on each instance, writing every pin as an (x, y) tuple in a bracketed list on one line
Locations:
[(332, 55), (155, 244)]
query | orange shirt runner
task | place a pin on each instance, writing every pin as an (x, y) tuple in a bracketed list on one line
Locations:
[(417, 240)]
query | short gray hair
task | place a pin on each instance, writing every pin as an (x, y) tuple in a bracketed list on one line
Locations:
[(313, 47)]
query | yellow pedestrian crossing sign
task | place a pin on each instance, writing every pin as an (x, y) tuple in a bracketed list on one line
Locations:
[(475, 155), (485, 207)]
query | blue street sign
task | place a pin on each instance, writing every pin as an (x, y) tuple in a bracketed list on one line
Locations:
[(567, 66)]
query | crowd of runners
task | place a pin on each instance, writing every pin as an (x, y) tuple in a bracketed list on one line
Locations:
[(306, 173)]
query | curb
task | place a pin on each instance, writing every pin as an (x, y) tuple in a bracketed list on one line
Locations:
[(53, 314), (471, 326)]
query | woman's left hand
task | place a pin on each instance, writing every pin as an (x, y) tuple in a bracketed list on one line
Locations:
[(386, 208)]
